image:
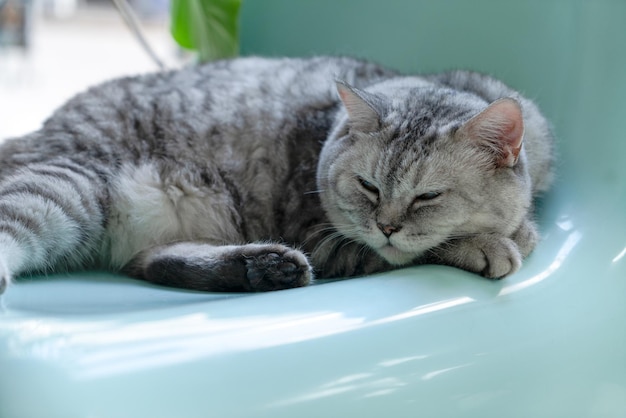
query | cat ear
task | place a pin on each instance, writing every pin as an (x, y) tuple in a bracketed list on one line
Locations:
[(500, 127), (363, 108)]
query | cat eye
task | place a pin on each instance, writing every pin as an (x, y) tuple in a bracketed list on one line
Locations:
[(427, 196), (367, 185)]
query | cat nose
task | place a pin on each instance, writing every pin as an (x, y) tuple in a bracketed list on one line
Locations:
[(387, 230)]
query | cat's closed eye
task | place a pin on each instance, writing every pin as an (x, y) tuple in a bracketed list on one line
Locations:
[(428, 196), (368, 186)]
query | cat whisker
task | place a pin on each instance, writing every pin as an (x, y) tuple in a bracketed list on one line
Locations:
[(363, 251), (337, 236), (320, 230), (453, 237), (326, 227), (338, 239)]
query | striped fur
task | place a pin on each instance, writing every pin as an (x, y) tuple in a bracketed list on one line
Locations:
[(223, 176)]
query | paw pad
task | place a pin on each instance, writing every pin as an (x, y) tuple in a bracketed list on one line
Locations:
[(273, 270)]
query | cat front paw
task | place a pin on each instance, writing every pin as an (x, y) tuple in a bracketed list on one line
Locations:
[(526, 237), (500, 257), (275, 267), (491, 256)]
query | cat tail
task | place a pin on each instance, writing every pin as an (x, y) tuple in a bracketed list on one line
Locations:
[(52, 215)]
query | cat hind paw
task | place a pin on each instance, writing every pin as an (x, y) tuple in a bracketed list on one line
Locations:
[(231, 268), (277, 267)]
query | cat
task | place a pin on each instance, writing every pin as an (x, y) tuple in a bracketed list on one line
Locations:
[(257, 174)]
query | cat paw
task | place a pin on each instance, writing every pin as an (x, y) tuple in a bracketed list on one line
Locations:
[(526, 237), (500, 258), (490, 256), (275, 267)]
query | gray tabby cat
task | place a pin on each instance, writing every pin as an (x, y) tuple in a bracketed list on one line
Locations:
[(259, 174)]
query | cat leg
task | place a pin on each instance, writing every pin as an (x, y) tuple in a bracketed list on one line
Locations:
[(491, 255), (229, 268), (51, 217)]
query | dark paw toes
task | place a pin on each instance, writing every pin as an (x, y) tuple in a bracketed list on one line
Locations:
[(273, 270)]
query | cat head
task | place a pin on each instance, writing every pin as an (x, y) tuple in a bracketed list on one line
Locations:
[(410, 165)]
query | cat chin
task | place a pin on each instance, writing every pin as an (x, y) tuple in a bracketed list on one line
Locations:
[(395, 256)]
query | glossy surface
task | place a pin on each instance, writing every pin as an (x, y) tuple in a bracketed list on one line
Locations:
[(549, 341)]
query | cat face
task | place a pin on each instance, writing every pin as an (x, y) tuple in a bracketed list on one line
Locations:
[(404, 174)]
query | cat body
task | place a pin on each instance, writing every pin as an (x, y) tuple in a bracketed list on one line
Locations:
[(257, 174)]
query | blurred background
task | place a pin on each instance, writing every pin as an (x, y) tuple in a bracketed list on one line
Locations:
[(52, 49)]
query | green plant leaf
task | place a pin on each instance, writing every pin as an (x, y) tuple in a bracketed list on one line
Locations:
[(210, 27)]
